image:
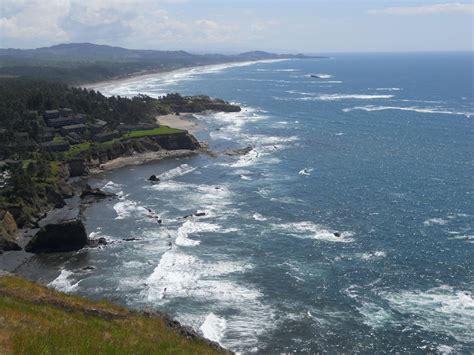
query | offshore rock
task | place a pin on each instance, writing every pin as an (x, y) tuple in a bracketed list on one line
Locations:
[(60, 237)]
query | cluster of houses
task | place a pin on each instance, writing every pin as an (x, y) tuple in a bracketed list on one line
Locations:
[(59, 129), (72, 127)]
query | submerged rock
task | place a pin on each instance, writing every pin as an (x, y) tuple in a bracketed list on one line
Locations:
[(60, 237), (94, 243)]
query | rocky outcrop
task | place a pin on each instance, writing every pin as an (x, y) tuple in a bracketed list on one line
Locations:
[(77, 167), (8, 232), (95, 194), (154, 178), (177, 141), (59, 237)]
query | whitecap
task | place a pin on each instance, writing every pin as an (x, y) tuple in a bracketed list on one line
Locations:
[(442, 309), (63, 283), (213, 327), (372, 108), (259, 217), (305, 171), (191, 227), (311, 230), (373, 255), (183, 169), (181, 276), (321, 76), (435, 221), (338, 97), (388, 89), (130, 209)]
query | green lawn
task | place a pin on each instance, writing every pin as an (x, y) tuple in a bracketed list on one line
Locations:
[(153, 132), (77, 149)]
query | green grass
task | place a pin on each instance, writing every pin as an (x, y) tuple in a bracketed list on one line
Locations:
[(153, 132), (38, 320), (78, 149)]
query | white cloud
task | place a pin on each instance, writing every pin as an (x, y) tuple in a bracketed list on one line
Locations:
[(29, 20), (446, 8)]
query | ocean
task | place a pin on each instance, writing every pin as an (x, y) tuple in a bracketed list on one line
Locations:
[(348, 227)]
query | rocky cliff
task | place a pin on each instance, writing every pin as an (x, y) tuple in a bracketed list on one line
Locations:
[(8, 232), (80, 165)]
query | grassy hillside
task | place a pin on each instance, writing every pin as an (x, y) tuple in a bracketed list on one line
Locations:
[(38, 320)]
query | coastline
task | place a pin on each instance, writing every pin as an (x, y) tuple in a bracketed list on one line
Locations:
[(141, 158), (161, 74)]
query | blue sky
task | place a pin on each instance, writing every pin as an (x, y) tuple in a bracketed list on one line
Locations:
[(309, 26)]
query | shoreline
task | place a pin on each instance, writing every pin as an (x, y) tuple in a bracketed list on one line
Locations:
[(160, 74), (185, 121), (140, 159)]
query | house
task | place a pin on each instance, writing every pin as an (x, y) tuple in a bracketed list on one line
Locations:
[(66, 121), (77, 128), (105, 136), (65, 112), (46, 134), (74, 138), (53, 147), (98, 126), (50, 114)]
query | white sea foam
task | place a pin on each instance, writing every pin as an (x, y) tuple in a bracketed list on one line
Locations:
[(373, 255), (63, 283), (178, 171), (213, 327), (112, 186), (338, 97), (467, 238), (179, 276), (305, 171), (371, 108), (133, 264), (388, 89), (446, 349), (321, 76), (130, 209), (313, 231), (192, 227), (441, 310), (259, 217), (435, 221), (286, 70)]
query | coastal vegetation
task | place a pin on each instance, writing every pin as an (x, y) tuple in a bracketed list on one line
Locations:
[(51, 131), (39, 320), (75, 63)]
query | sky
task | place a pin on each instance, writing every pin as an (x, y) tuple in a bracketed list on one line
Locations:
[(307, 26)]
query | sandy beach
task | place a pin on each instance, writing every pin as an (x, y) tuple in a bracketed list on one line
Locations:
[(104, 86), (184, 121)]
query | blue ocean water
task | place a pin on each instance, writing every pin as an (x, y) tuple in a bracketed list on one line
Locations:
[(378, 149)]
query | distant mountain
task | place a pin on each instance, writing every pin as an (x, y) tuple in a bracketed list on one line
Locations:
[(85, 62)]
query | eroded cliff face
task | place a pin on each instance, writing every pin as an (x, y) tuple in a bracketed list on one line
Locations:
[(8, 232), (177, 141)]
